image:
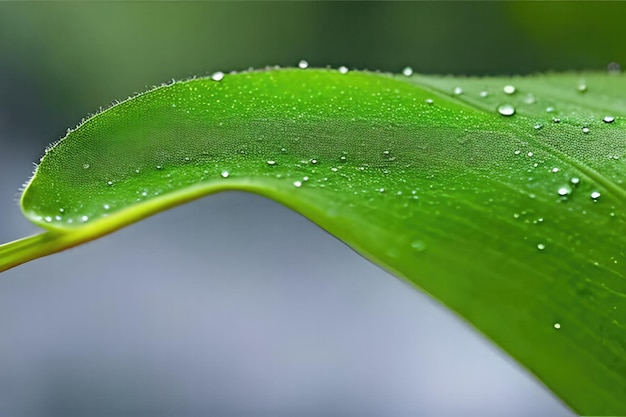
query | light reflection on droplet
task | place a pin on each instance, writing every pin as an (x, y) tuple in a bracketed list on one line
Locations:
[(506, 110), (509, 89), (217, 76)]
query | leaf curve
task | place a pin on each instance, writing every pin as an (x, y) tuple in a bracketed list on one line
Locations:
[(515, 222)]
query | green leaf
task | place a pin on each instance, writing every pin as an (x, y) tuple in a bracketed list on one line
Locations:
[(506, 204)]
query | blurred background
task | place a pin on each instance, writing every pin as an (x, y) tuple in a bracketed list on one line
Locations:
[(233, 305)]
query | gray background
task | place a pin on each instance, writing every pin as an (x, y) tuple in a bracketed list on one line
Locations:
[(233, 305)]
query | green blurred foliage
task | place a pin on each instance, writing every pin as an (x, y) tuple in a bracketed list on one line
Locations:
[(59, 61)]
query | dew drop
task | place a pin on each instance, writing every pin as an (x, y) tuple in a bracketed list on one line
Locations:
[(575, 180), (484, 93), (84, 218), (582, 87), (48, 219), (550, 109), (556, 120), (530, 154), (557, 326), (407, 71), (429, 101), (271, 162), (595, 195), (541, 246), (61, 210), (224, 174), (555, 170), (457, 91), (529, 99), (159, 166), (106, 206), (85, 166), (608, 119), (509, 89), (418, 245), (506, 110), (585, 130), (297, 184), (517, 152), (303, 64), (217, 76), (314, 161), (109, 183), (537, 126), (564, 191), (343, 70), (614, 68)]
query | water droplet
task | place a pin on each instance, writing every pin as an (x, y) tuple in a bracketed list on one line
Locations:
[(106, 206), (61, 210), (595, 195), (537, 126), (575, 180), (484, 93), (85, 166), (517, 152), (217, 76), (557, 326), (159, 166), (582, 87), (556, 120), (550, 109), (506, 110), (297, 184), (382, 190), (343, 70), (614, 68), (48, 219), (342, 158), (509, 89), (564, 191), (303, 64), (529, 99), (109, 183), (541, 246), (271, 162), (224, 174), (418, 245), (429, 101), (408, 71), (585, 130), (84, 218), (457, 91), (555, 170), (530, 154), (608, 119), (314, 161)]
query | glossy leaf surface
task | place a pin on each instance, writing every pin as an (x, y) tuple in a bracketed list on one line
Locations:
[(502, 198)]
